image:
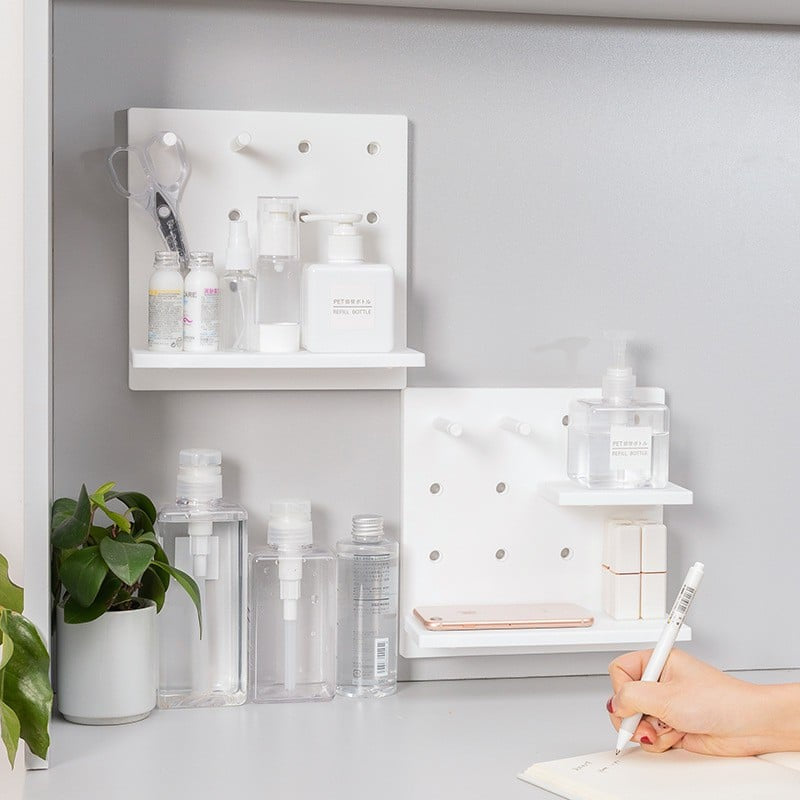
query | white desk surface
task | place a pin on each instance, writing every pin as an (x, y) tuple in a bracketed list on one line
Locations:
[(438, 739)]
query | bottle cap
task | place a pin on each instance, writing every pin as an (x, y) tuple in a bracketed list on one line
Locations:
[(201, 259), (199, 475), (290, 526), (368, 526), (619, 380), (166, 259), (277, 227), (279, 337), (237, 256)]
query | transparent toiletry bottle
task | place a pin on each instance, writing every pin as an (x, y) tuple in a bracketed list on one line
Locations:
[(206, 537), (348, 303), (278, 305), (201, 305), (617, 442), (165, 304), (292, 611), (366, 626), (238, 289)]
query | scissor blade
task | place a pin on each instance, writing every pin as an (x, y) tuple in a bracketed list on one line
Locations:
[(170, 227)]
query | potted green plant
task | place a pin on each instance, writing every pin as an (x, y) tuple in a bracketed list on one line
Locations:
[(25, 692), (108, 582)]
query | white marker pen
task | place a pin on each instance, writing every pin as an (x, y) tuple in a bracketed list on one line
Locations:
[(663, 648)]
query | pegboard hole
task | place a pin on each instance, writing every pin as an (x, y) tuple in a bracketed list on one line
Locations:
[(234, 215), (372, 217), (565, 420), (500, 554), (636, 419), (566, 553), (373, 148), (304, 146), (435, 555), (501, 488), (435, 488)]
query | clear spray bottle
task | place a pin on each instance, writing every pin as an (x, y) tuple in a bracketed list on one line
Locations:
[(292, 613)]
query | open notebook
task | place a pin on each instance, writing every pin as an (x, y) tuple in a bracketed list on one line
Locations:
[(675, 774)]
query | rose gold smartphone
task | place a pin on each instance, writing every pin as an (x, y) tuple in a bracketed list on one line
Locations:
[(487, 618)]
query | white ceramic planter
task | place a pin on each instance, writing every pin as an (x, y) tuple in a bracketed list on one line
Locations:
[(107, 670)]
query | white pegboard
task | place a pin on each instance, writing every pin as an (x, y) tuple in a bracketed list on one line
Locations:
[(336, 173), (468, 521)]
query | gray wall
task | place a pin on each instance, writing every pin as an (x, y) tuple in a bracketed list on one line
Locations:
[(566, 176)]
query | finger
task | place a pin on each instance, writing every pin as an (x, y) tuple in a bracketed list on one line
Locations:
[(644, 730), (641, 697), (659, 725), (628, 667), (665, 742)]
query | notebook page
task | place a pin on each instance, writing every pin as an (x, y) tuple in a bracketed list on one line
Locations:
[(664, 776)]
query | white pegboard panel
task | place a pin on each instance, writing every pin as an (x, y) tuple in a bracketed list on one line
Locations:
[(336, 170), (474, 497)]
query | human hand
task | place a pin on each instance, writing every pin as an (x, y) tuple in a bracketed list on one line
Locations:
[(696, 707)]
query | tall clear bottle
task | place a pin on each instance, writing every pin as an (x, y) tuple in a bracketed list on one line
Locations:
[(238, 289), (206, 537), (278, 304), (292, 611), (367, 570)]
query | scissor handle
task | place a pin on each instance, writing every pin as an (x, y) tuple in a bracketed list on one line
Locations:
[(140, 197), (173, 190)]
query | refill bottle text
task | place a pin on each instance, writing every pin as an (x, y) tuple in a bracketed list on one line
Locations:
[(205, 537)]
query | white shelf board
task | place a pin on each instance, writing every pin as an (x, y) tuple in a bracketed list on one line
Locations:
[(302, 370), (567, 493), (606, 634)]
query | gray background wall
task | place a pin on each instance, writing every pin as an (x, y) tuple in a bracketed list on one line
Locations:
[(567, 175)]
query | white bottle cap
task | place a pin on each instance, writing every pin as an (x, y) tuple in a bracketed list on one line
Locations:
[(345, 243), (279, 337), (237, 256), (277, 227), (201, 259), (289, 526), (368, 526), (619, 380), (199, 475)]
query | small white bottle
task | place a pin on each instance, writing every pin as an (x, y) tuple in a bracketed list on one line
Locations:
[(201, 305), (366, 627), (238, 289), (348, 304), (618, 442), (165, 304)]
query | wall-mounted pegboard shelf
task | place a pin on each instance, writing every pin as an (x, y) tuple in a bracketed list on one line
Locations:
[(606, 635), (477, 530), (567, 493), (333, 162)]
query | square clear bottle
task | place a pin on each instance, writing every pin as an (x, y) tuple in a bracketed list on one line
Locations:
[(206, 537), (292, 611), (617, 442)]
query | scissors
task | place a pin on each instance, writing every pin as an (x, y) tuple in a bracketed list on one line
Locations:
[(159, 200)]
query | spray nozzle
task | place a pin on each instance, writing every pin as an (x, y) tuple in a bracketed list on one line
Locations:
[(237, 255), (277, 227), (619, 380), (345, 243)]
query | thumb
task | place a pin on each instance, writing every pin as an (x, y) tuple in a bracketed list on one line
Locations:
[(641, 697)]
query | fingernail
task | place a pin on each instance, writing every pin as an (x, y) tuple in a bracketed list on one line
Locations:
[(610, 705), (645, 740)]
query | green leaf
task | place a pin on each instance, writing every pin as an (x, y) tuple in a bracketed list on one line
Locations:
[(137, 500), (101, 491), (8, 648), (26, 682), (10, 593), (127, 560), (98, 533), (70, 521), (83, 573), (9, 729), (189, 586), (123, 523), (75, 613), (153, 588)]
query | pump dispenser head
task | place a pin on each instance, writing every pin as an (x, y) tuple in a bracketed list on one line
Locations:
[(345, 243), (199, 475), (277, 227), (237, 256), (290, 526), (619, 380)]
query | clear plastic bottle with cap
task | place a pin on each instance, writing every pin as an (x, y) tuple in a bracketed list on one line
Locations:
[(238, 289), (618, 442), (348, 303), (278, 304), (292, 611), (165, 304), (206, 537), (367, 578), (201, 305)]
